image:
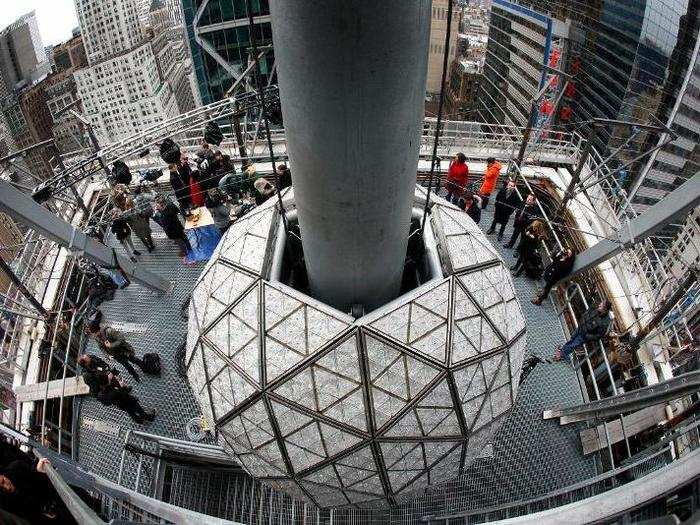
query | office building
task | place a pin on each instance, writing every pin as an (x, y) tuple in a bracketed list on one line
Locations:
[(438, 27), (219, 42), (122, 89), (521, 42), (22, 54)]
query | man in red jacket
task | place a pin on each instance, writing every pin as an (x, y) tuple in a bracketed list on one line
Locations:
[(457, 178)]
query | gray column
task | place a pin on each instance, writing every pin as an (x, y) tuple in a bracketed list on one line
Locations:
[(25, 210), (352, 79)]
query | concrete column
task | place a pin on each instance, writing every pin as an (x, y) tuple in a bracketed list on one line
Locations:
[(352, 79)]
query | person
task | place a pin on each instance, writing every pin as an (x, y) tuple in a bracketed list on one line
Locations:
[(195, 187), (471, 204), (263, 190), (122, 231), (113, 343), (507, 200), (457, 178), (96, 372), (144, 200), (219, 209), (235, 185), (285, 176), (139, 222), (179, 180), (115, 393), (527, 212), (561, 265), (493, 171), (166, 216), (594, 324), (27, 493), (221, 166), (528, 257)]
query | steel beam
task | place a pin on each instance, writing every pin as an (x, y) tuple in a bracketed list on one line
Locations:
[(676, 204), (25, 210), (352, 84), (614, 406)]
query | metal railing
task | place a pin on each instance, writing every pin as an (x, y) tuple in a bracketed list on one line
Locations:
[(117, 503)]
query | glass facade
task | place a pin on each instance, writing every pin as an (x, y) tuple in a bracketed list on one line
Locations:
[(222, 27), (632, 60)]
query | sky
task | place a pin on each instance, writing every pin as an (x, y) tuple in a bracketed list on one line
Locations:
[(56, 18)]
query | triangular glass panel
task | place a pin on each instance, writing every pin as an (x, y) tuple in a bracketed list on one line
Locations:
[(300, 389), (308, 437), (343, 360), (436, 300), (350, 410), (322, 328), (330, 388), (395, 323), (385, 406), (380, 356), (278, 305), (406, 426), (288, 420), (336, 440), (279, 359)]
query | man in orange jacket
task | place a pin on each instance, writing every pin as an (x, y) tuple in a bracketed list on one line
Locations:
[(493, 170)]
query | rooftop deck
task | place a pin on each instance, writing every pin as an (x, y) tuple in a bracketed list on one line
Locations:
[(529, 456)]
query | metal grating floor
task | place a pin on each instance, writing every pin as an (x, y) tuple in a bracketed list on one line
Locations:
[(529, 456)]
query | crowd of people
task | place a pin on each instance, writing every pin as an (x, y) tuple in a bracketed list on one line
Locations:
[(530, 231), (210, 180)]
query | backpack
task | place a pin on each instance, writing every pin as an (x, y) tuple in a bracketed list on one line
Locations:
[(169, 151), (212, 133), (151, 364)]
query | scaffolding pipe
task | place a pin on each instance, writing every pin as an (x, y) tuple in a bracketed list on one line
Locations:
[(353, 111), (24, 209)]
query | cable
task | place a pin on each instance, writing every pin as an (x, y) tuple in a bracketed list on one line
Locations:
[(445, 59), (263, 109)]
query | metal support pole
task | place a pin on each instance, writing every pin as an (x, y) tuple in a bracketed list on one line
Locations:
[(24, 209), (236, 124), (20, 285), (354, 186), (674, 205)]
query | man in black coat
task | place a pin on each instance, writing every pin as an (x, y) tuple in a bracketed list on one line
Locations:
[(561, 265), (121, 397), (96, 372), (180, 182), (507, 201), (471, 204), (594, 324), (526, 214), (285, 176), (168, 217)]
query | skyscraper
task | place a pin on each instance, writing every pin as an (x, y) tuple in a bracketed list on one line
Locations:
[(438, 27), (521, 42), (22, 53), (122, 90), (219, 40)]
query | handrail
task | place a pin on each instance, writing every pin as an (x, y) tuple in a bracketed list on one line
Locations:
[(82, 513), (63, 469)]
